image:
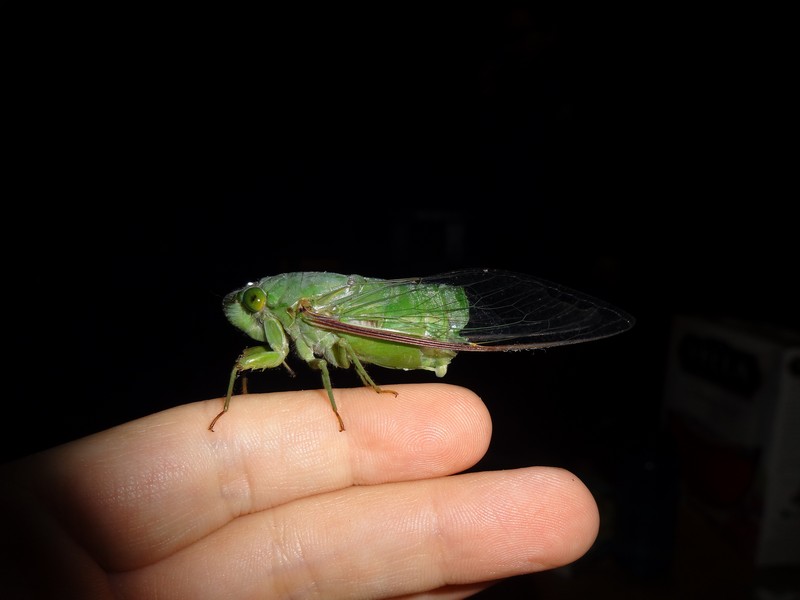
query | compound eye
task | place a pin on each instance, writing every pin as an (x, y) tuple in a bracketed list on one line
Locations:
[(254, 299)]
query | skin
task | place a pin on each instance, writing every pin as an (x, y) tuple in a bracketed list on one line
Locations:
[(277, 503)]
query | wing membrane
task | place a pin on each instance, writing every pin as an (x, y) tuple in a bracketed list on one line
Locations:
[(507, 311)]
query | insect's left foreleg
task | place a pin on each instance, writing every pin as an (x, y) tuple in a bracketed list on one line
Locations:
[(257, 357), (234, 374)]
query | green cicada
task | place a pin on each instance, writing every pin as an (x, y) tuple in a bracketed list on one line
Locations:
[(413, 323)]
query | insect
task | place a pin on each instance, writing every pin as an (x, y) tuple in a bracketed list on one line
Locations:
[(412, 323)]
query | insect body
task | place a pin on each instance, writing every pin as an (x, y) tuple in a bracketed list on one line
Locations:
[(414, 323)]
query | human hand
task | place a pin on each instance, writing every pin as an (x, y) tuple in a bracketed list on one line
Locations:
[(278, 503)]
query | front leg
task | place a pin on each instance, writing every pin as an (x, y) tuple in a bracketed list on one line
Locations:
[(258, 357)]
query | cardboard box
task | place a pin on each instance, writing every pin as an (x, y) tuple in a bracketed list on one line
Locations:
[(733, 406)]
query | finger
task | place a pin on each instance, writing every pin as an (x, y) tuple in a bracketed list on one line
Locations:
[(165, 481), (387, 540)]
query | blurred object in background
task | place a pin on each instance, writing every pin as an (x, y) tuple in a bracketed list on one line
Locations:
[(733, 406)]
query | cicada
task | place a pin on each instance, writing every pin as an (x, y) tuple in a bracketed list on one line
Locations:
[(411, 323)]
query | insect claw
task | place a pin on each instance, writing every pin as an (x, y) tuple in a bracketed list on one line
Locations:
[(211, 426)]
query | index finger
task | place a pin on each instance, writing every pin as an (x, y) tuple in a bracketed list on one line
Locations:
[(164, 481)]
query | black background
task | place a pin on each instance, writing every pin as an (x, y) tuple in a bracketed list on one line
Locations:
[(159, 161)]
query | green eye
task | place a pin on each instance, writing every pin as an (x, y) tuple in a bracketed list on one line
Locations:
[(254, 299)]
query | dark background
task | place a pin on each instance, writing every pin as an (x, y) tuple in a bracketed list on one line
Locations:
[(158, 161)]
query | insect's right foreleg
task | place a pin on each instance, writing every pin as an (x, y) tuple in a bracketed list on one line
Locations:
[(257, 357)]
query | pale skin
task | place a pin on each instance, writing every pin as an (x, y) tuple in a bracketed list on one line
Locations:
[(278, 503)]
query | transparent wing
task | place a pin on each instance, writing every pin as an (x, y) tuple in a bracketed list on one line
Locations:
[(523, 311), (507, 311)]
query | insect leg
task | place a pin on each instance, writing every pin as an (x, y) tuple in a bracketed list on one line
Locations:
[(257, 357), (326, 381), (362, 372)]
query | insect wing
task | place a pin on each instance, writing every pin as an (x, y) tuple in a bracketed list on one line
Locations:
[(506, 310), (510, 311), (410, 311)]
